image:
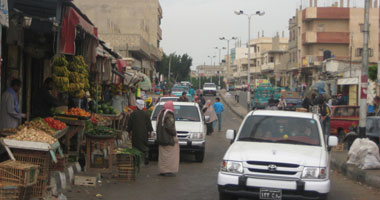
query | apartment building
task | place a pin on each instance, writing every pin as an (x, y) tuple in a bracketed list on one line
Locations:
[(210, 70), (335, 31), (131, 27)]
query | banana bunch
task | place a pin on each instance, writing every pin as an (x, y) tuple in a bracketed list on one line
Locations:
[(60, 61), (62, 83), (61, 71), (75, 77)]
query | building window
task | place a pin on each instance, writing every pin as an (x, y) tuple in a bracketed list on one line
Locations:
[(271, 59), (321, 27), (359, 52)]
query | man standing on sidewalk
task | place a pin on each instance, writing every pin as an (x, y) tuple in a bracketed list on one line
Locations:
[(219, 108)]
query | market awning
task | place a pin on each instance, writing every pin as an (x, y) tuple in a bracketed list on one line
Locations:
[(72, 19), (348, 81)]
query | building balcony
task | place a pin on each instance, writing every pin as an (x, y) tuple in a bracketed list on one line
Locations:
[(156, 53), (267, 67), (325, 37), (325, 13), (159, 33)]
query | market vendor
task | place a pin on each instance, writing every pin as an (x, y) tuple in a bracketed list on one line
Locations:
[(139, 127), (10, 114), (44, 101)]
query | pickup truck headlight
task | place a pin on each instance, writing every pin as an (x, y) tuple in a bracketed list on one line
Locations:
[(314, 173), (196, 136), (232, 167), (153, 135)]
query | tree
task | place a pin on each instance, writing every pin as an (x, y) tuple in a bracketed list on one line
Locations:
[(180, 66), (372, 73)]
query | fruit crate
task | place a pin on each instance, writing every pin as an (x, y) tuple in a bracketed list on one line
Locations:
[(125, 159), (19, 173), (127, 172), (10, 191), (41, 158)]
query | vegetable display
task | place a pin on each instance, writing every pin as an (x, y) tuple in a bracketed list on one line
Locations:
[(55, 124), (105, 109), (101, 131), (96, 118), (37, 124), (32, 135), (77, 112)]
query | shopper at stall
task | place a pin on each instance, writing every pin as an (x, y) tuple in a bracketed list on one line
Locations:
[(139, 128), (44, 101), (10, 114), (168, 158), (118, 102)]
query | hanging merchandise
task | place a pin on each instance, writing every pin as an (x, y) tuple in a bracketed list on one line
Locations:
[(78, 77), (61, 73)]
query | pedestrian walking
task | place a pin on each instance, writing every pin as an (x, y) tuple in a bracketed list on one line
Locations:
[(210, 116), (10, 115), (282, 103), (219, 109), (168, 149), (139, 128), (202, 99), (183, 98), (325, 112)]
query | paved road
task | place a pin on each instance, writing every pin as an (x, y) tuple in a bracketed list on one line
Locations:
[(197, 181)]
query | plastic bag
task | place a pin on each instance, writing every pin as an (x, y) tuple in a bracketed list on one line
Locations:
[(364, 153)]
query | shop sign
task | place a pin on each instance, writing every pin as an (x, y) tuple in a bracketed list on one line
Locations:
[(4, 17)]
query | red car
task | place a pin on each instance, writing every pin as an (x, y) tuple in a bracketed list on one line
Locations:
[(342, 118)]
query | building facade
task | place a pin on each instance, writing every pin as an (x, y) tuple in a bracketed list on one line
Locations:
[(130, 27), (318, 33)]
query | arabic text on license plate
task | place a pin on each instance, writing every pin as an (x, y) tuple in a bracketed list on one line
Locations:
[(270, 194)]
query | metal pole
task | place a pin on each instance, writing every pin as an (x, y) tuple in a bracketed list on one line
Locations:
[(364, 77), (228, 64), (170, 63), (249, 64)]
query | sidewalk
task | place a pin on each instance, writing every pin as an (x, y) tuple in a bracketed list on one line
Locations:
[(235, 107), (338, 158)]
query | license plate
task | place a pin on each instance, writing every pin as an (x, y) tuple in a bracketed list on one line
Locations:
[(270, 194)]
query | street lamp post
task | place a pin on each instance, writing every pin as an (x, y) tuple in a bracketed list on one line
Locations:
[(211, 65), (259, 13), (228, 57)]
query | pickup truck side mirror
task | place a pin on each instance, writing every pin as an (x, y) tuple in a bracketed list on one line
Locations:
[(332, 141), (231, 135)]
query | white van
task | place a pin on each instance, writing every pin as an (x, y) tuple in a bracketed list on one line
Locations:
[(276, 155)]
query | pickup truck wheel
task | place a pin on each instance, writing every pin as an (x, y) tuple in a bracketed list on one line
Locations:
[(199, 156), (224, 196)]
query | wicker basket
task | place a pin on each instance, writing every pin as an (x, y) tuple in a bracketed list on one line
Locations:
[(18, 173), (9, 191), (41, 158)]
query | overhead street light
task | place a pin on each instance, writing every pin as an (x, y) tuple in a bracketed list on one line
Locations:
[(228, 57), (258, 13)]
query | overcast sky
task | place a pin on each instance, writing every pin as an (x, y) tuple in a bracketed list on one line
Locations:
[(194, 26)]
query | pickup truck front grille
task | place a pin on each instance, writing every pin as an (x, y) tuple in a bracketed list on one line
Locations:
[(287, 165), (182, 134), (272, 172)]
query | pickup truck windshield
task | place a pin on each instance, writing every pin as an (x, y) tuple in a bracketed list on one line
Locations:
[(209, 85), (181, 113), (286, 130)]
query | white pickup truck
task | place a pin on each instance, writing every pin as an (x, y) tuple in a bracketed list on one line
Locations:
[(277, 155), (209, 89)]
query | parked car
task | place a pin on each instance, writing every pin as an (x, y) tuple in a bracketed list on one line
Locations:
[(342, 118), (209, 88), (191, 130), (277, 155), (372, 132), (292, 99)]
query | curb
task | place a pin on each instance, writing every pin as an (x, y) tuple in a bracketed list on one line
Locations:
[(354, 173), (230, 107)]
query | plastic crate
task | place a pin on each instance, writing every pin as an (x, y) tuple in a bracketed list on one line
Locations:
[(41, 158), (9, 191), (19, 173)]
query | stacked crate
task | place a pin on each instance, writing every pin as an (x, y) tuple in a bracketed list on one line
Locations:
[(126, 166), (17, 179), (43, 160)]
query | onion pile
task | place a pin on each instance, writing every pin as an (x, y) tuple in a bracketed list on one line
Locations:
[(33, 135)]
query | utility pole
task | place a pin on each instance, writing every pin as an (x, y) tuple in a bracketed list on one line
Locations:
[(170, 64), (364, 77)]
